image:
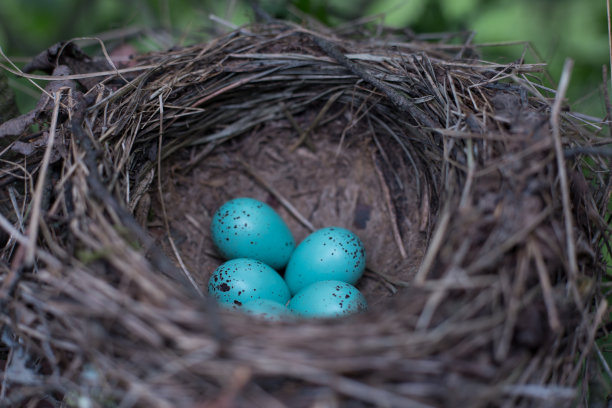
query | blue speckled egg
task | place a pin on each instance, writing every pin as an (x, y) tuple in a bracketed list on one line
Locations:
[(267, 309), (247, 228), (242, 280), (329, 298), (331, 253)]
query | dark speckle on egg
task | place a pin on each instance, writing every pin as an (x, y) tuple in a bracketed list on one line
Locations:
[(247, 228), (328, 299), (240, 280)]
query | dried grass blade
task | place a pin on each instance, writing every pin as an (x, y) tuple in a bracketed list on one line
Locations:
[(316, 120), (596, 320), (163, 205), (493, 255), (234, 85), (25, 241), (391, 210), (77, 76), (547, 291), (434, 246), (398, 99), (294, 211), (570, 242), (40, 184)]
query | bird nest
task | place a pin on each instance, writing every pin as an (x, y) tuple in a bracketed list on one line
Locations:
[(469, 182)]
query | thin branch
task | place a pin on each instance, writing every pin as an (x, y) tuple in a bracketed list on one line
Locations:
[(588, 150), (401, 101)]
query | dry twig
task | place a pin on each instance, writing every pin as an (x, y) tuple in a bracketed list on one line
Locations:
[(472, 180)]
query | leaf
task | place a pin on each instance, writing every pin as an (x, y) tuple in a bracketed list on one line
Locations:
[(398, 13), (8, 107), (510, 22), (458, 9), (16, 126)]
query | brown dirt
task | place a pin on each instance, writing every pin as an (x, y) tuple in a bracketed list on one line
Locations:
[(335, 184)]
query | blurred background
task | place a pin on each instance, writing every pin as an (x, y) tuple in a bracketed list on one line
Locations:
[(556, 29)]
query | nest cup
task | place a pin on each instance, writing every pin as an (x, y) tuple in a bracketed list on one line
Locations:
[(463, 179)]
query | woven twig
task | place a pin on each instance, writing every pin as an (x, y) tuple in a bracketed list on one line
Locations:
[(496, 312)]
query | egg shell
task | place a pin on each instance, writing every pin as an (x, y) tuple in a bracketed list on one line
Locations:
[(331, 253), (247, 228), (242, 280), (329, 298), (267, 309)]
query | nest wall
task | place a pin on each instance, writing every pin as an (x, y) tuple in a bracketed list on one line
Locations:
[(470, 167)]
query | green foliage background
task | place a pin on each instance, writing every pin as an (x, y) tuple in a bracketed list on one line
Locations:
[(557, 28)]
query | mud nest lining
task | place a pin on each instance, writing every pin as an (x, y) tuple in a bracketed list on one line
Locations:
[(481, 219)]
